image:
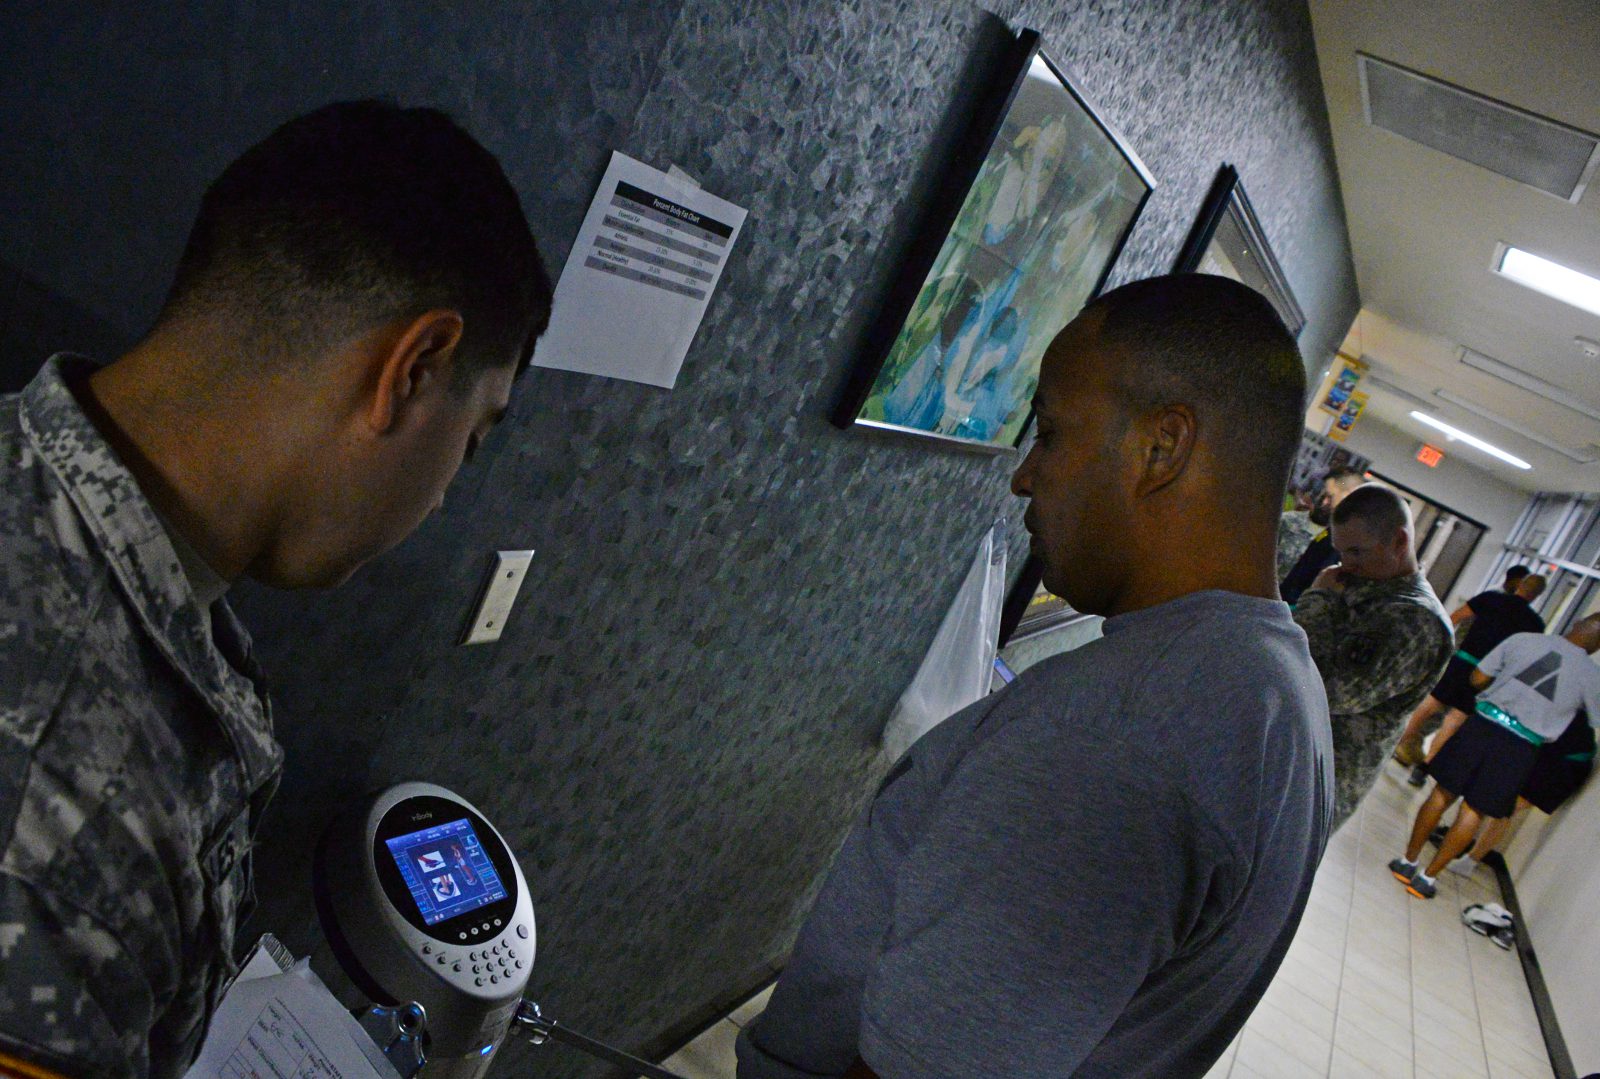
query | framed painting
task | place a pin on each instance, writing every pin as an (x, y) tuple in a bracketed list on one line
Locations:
[(1227, 240), (1025, 233)]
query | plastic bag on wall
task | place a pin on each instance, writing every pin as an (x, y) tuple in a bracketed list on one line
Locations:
[(960, 662)]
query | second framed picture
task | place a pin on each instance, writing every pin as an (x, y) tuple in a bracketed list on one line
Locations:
[(1025, 235), (1227, 240)]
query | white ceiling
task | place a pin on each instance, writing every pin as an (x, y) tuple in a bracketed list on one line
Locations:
[(1424, 226)]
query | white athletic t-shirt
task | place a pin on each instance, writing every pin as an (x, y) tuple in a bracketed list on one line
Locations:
[(1542, 680)]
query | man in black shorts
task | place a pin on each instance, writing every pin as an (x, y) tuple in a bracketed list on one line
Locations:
[(1562, 768), (1559, 772), (1531, 686), (1492, 616)]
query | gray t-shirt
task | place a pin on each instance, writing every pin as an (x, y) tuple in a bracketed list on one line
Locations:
[(1094, 872), (1543, 681)]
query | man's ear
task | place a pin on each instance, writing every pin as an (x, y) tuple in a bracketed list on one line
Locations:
[(412, 356), (1168, 436)]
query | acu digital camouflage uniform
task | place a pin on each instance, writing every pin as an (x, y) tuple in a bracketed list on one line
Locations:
[(1380, 647), (136, 753), (1295, 533)]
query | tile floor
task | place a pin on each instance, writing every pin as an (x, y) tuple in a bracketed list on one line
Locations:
[(1376, 984)]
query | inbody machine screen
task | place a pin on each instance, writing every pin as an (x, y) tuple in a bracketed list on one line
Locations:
[(446, 870), (422, 901), (428, 913)]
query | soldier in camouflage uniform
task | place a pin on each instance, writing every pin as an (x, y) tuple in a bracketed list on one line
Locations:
[(1295, 533), (136, 744), (1378, 634), (135, 751)]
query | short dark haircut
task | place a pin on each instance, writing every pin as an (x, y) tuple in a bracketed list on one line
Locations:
[(1343, 472), (1516, 573), (1219, 346), (359, 212), (1378, 506)]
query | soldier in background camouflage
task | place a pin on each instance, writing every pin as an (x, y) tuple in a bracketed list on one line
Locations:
[(1295, 533), (1378, 634), (354, 301)]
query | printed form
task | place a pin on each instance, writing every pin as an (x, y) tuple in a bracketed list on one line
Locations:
[(285, 1025), (640, 276)]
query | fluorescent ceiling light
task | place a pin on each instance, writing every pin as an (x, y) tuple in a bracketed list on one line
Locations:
[(1455, 434), (1550, 278), (1532, 436)]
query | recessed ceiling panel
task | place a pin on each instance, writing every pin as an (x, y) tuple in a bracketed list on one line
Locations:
[(1523, 146), (1533, 384)]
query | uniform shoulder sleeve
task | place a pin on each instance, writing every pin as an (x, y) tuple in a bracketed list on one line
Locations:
[(1373, 654), (72, 998)]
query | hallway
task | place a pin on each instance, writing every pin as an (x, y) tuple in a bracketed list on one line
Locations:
[(1380, 984), (1376, 984)]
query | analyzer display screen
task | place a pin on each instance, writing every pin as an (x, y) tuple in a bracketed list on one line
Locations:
[(446, 870)]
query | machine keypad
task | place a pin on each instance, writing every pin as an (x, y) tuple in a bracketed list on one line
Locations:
[(496, 961)]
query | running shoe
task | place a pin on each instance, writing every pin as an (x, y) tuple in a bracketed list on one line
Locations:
[(1422, 887)]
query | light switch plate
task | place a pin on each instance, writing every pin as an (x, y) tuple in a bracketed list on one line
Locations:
[(499, 593)]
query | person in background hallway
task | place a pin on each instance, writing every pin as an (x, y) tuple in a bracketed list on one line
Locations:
[(1514, 575), (1531, 687), (1295, 533), (1097, 870), (1319, 553), (1378, 633), (1490, 618), (357, 295), (1560, 771)]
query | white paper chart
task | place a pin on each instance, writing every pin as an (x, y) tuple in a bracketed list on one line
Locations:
[(640, 275), (277, 1044), (286, 1026)]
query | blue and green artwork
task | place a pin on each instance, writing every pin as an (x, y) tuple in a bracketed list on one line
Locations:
[(1039, 227)]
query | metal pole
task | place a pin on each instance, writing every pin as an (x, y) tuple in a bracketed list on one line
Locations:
[(528, 1015)]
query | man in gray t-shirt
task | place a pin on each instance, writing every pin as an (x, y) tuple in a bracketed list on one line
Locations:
[(1531, 686), (1097, 871)]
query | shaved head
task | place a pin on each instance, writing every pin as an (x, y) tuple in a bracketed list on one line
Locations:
[(359, 213), (1380, 508), (1168, 415), (1530, 586), (1585, 633), (1218, 346)]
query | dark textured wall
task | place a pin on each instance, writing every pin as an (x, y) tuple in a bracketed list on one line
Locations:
[(729, 593)]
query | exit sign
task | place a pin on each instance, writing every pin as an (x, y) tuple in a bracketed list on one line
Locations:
[(1429, 456)]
